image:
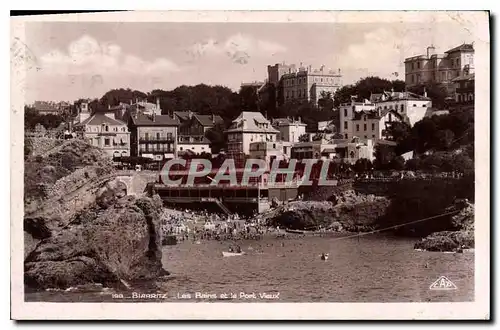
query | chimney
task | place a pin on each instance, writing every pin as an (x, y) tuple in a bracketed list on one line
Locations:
[(130, 101), (430, 51), (109, 106), (190, 114), (158, 103), (153, 116), (425, 92), (213, 119)]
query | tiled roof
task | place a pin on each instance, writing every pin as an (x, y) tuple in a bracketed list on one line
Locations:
[(287, 122), (160, 120), (182, 115), (208, 120), (468, 77), (99, 119), (396, 96), (462, 48), (249, 121)]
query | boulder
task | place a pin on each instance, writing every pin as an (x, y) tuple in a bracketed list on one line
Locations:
[(446, 241), (108, 246)]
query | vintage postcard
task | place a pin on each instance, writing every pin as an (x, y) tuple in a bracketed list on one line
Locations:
[(250, 165)]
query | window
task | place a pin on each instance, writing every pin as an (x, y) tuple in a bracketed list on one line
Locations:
[(169, 136), (353, 108), (364, 118), (414, 105), (385, 107), (181, 148), (146, 136), (373, 126), (346, 136), (366, 137), (364, 127), (287, 94), (106, 128), (373, 136), (274, 145), (123, 129), (345, 112), (402, 107), (293, 94), (158, 135), (418, 65), (106, 142), (357, 127), (299, 93), (345, 125), (412, 78)]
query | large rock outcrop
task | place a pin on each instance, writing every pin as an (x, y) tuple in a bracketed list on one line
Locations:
[(453, 240), (347, 211), (121, 242)]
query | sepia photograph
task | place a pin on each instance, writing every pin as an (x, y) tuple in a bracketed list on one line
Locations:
[(214, 162)]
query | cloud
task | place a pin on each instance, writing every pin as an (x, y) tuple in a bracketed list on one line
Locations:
[(238, 48), (382, 51), (90, 57)]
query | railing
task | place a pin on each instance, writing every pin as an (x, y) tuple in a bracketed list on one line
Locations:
[(156, 140)]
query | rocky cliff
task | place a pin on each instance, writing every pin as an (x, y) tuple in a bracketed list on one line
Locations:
[(79, 225), (109, 245)]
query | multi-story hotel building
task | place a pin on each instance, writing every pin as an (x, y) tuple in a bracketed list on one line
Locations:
[(409, 106), (153, 136), (302, 83), (440, 68)]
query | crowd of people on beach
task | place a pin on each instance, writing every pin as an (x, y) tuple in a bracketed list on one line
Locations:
[(202, 225)]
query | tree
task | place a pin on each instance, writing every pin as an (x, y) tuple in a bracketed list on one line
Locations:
[(462, 163), (413, 164), (397, 163), (249, 99), (363, 165), (325, 103), (435, 91), (216, 137), (365, 87), (304, 138), (384, 154), (443, 139)]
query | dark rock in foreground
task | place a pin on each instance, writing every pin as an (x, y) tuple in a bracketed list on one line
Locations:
[(453, 240), (447, 241), (121, 243)]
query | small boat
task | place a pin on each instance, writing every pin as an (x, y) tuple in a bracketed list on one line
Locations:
[(232, 254), (294, 231), (324, 256)]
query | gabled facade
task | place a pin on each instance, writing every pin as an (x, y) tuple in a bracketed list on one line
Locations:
[(249, 127), (107, 133)]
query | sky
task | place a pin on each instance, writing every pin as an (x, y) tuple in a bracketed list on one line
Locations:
[(86, 59)]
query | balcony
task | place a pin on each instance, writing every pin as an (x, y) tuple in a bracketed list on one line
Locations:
[(162, 139), (157, 151)]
